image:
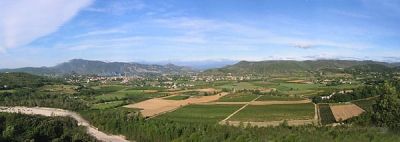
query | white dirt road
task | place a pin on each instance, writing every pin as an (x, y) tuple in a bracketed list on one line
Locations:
[(91, 130)]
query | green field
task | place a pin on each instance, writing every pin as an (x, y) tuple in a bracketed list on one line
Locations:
[(201, 113), (278, 98), (326, 114), (296, 86), (262, 113), (59, 89), (178, 97), (133, 95), (4, 91), (108, 88), (365, 104), (108, 105), (238, 97), (239, 86)]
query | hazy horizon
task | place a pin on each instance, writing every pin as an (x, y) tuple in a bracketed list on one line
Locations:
[(46, 33)]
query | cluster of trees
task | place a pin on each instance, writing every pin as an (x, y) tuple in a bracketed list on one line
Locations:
[(358, 93), (385, 110), (26, 92), (19, 80), (19, 127), (31, 97), (130, 124)]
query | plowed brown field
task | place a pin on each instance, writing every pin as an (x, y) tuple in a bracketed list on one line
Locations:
[(344, 112)]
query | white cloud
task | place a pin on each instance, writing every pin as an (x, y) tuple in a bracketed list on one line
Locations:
[(119, 7), (23, 21)]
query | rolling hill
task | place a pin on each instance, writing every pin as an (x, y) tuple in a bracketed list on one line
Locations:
[(290, 66)]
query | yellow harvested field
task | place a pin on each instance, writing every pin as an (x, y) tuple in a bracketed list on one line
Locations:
[(156, 106), (344, 112)]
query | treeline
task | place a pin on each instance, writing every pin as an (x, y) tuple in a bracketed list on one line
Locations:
[(385, 110), (130, 124), (19, 127), (26, 92), (358, 93), (19, 80)]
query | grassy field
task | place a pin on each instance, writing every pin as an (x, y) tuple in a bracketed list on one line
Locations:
[(238, 97), (264, 113), (133, 95), (278, 98), (177, 97), (326, 114), (4, 91), (61, 89), (201, 113), (108, 88), (296, 86), (365, 104), (239, 86), (108, 105)]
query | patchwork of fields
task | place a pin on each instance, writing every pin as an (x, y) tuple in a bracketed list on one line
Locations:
[(287, 102)]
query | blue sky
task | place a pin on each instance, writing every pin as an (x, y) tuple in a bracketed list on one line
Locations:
[(48, 32)]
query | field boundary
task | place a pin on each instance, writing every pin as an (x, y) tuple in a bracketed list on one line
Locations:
[(248, 103)]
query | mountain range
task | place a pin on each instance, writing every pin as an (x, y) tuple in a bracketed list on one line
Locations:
[(85, 67)]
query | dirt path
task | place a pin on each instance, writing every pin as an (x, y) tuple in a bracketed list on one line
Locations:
[(91, 130), (227, 118), (157, 106)]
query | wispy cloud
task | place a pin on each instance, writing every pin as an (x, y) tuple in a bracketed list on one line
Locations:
[(118, 7), (100, 32), (23, 21)]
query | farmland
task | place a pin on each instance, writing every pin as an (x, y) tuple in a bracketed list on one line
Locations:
[(278, 98), (201, 113), (326, 115), (178, 97), (108, 105), (262, 113), (134, 95), (343, 112), (66, 89), (4, 91), (239, 86), (238, 97)]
